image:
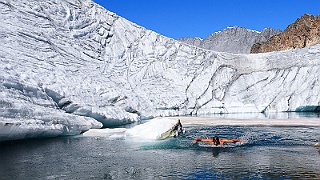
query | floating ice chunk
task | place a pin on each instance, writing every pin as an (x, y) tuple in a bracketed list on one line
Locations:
[(158, 128), (104, 132)]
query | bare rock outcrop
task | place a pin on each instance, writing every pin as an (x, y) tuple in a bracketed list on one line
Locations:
[(304, 32)]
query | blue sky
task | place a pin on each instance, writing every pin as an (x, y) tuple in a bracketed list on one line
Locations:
[(200, 18)]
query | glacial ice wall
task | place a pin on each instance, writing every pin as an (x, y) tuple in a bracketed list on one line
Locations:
[(71, 62)]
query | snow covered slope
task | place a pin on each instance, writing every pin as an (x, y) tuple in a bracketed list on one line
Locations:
[(68, 64)]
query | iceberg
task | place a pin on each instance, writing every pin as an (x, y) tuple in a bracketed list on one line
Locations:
[(154, 129), (106, 132), (157, 128), (68, 66)]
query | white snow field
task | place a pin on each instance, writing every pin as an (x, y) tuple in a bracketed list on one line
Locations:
[(67, 66)]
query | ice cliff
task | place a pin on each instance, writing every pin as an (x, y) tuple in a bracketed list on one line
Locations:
[(67, 66)]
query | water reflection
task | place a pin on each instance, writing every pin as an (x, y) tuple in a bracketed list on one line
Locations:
[(215, 152)]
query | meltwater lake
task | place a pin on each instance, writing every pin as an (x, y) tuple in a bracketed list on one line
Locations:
[(270, 152)]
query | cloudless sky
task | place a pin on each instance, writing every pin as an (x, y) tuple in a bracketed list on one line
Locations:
[(200, 18)]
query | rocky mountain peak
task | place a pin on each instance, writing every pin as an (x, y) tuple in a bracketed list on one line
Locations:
[(304, 32), (232, 39)]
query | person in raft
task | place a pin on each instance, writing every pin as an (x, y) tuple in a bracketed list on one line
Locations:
[(216, 140)]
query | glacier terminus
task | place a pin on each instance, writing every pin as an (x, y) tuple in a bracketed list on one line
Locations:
[(67, 66)]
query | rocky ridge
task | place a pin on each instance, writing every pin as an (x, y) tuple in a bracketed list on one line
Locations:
[(304, 32), (232, 39)]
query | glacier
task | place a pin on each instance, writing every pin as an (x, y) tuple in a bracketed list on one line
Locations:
[(68, 66)]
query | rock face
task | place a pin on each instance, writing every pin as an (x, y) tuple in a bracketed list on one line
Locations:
[(68, 66), (304, 32), (232, 39)]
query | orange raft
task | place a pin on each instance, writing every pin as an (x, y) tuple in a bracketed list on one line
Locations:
[(216, 140)]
